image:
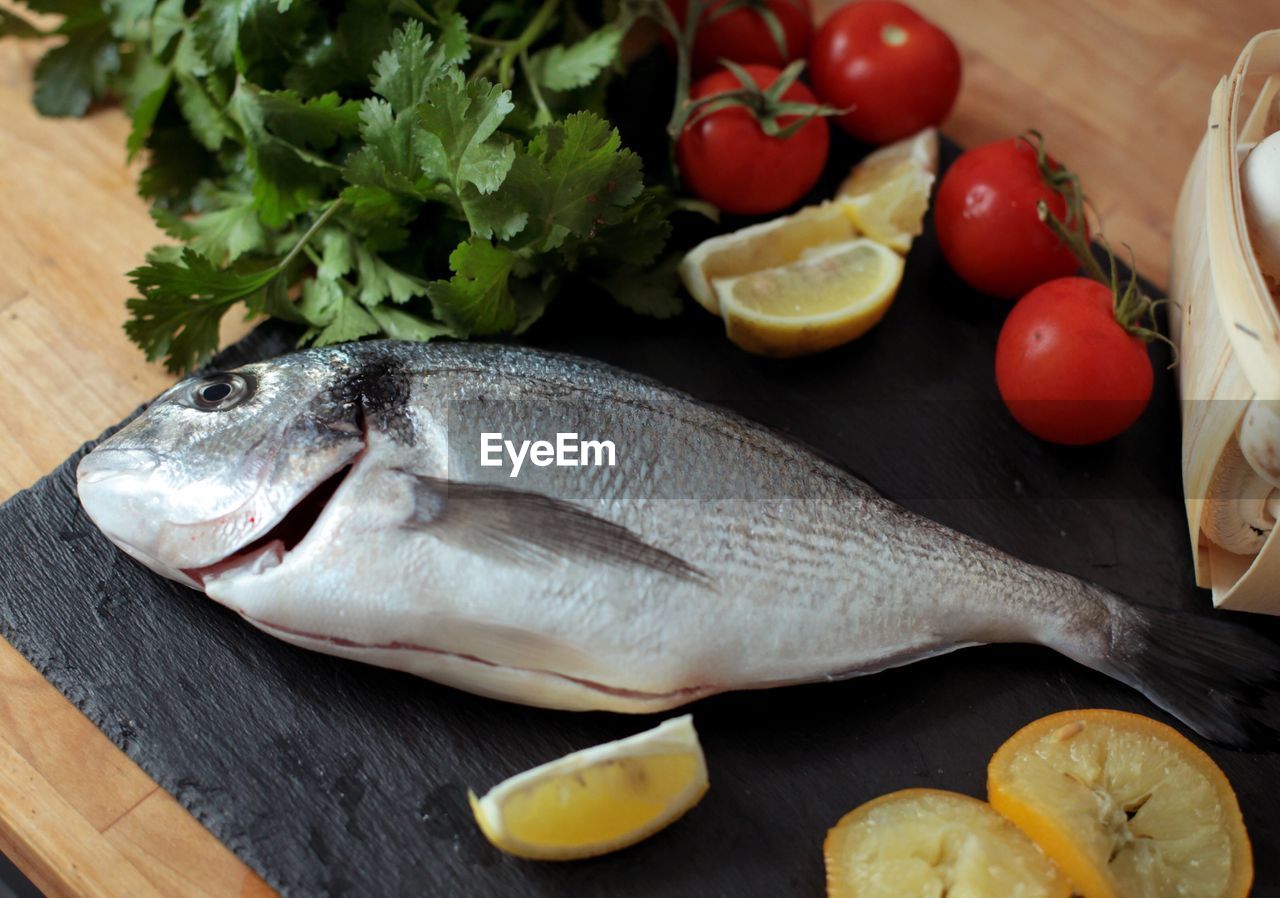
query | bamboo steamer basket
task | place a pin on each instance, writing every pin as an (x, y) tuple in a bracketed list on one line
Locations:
[(1227, 329)]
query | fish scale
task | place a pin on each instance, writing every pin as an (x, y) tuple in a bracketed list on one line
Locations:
[(336, 499)]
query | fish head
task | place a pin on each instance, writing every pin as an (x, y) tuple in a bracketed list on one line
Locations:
[(208, 474)]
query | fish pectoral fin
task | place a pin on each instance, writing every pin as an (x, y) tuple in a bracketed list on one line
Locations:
[(533, 528)]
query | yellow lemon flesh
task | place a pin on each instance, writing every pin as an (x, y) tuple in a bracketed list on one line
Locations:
[(829, 296), (599, 799), (765, 245), (887, 193), (1128, 807), (922, 843)]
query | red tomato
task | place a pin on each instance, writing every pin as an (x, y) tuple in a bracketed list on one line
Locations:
[(741, 35), (728, 160), (1066, 369), (897, 70), (987, 225)]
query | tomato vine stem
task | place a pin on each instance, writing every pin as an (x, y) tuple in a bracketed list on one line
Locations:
[(1132, 308)]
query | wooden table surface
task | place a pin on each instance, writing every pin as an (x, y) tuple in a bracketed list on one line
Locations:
[(1119, 87)]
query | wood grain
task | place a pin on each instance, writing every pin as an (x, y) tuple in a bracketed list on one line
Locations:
[(1119, 87)]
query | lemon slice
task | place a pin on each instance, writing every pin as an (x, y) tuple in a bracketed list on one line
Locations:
[(765, 245), (1126, 806), (887, 193), (831, 295), (599, 799), (922, 843)]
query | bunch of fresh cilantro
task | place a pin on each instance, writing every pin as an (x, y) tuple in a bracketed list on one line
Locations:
[(413, 168)]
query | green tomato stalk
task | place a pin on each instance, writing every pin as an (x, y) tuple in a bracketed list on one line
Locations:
[(1132, 308), (766, 105)]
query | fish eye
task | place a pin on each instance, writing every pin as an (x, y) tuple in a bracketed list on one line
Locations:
[(215, 392), (219, 392)]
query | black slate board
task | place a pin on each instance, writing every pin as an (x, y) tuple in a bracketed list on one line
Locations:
[(330, 778)]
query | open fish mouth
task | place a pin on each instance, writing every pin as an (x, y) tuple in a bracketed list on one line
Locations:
[(269, 549)]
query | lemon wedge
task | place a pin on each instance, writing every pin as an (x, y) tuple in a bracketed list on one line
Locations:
[(599, 799), (1127, 807), (887, 193), (923, 842), (829, 296), (765, 245)]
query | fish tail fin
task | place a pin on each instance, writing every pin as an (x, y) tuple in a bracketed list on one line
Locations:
[(1220, 677)]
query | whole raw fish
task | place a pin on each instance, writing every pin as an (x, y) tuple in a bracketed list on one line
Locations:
[(340, 499)]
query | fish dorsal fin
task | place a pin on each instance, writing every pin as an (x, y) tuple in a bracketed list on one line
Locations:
[(533, 528)]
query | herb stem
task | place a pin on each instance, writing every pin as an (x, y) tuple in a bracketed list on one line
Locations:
[(544, 112), (311, 231), (534, 30), (415, 9), (485, 65)]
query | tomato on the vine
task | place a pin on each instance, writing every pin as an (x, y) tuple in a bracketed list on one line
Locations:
[(891, 68), (726, 158), (739, 30), (987, 223), (1067, 368)]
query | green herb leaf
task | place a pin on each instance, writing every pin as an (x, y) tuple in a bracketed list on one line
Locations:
[(182, 304), (379, 281), (456, 136), (401, 325), (380, 216), (476, 300), (653, 291), (176, 165), (14, 25), (276, 302), (408, 151), (566, 68), (287, 179), (342, 58), (494, 214), (388, 159), (71, 76), (403, 74), (168, 21), (130, 19), (320, 299), (351, 321), (336, 255), (174, 225), (216, 30), (76, 14), (144, 117), (574, 180), (455, 39), (208, 121), (317, 123), (259, 28), (286, 183), (226, 233), (634, 238)]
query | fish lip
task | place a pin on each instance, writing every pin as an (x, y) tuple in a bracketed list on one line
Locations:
[(250, 559), (164, 570), (270, 555), (105, 463)]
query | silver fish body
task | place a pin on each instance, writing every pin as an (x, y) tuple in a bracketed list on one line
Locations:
[(336, 498)]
